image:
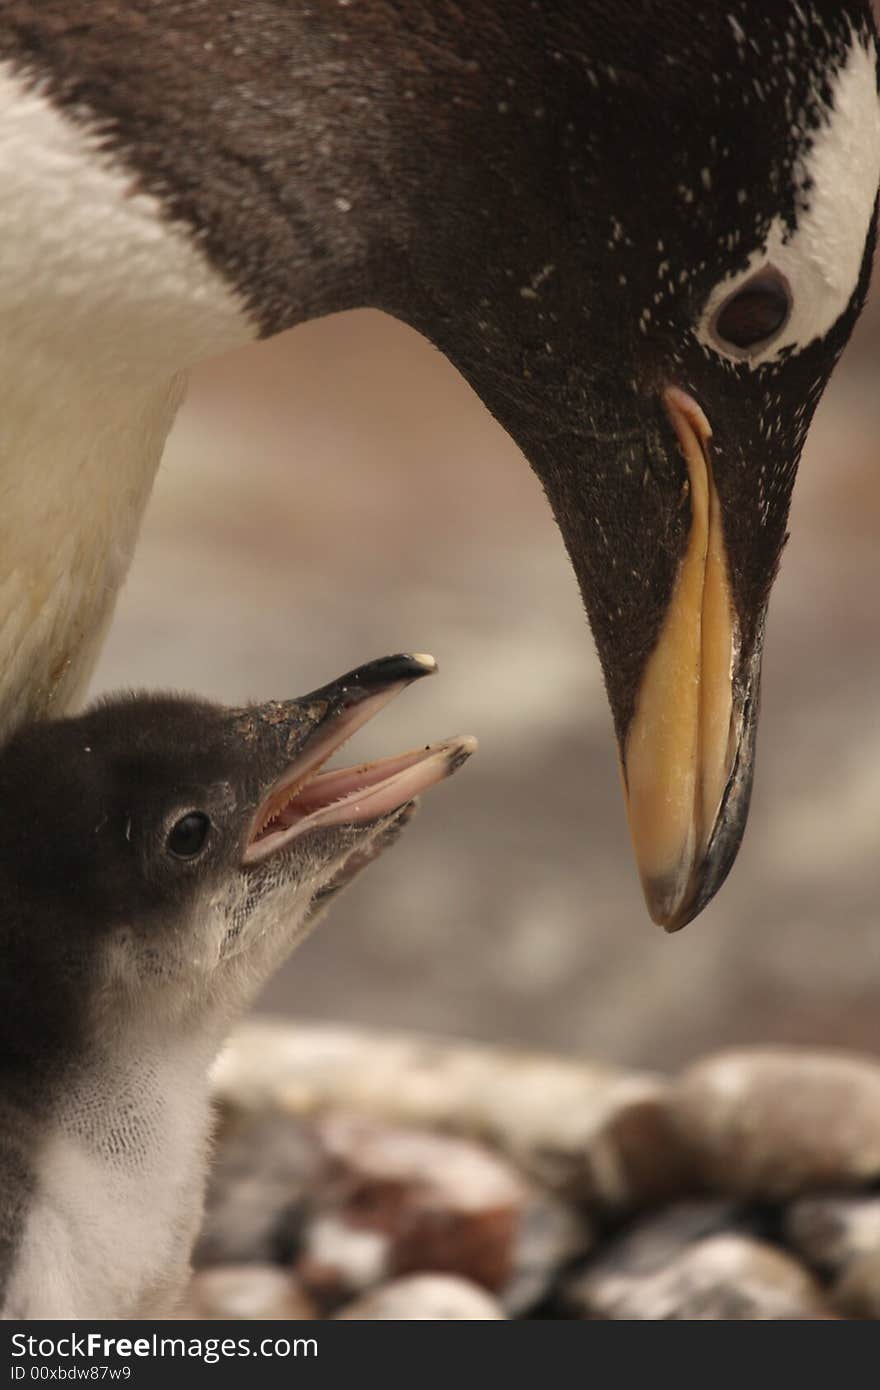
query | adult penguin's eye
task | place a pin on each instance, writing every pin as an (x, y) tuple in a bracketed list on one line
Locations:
[(187, 838), (754, 313)]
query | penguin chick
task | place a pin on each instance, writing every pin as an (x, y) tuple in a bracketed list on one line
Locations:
[(159, 857)]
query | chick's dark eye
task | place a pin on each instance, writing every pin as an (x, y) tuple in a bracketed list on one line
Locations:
[(188, 836), (756, 312)]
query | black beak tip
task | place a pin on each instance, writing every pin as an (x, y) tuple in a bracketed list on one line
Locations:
[(673, 909), (390, 670), (376, 676), (672, 917)]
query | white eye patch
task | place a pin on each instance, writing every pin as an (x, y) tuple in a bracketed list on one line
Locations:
[(822, 259)]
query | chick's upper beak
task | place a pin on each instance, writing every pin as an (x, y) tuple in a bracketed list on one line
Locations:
[(685, 740), (306, 730)]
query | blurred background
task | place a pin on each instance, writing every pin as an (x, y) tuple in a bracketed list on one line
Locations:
[(339, 494)]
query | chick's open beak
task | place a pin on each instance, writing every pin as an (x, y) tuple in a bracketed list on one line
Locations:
[(682, 747), (303, 797)]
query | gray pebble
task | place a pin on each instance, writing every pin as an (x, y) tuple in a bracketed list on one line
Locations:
[(425, 1297), (832, 1229), (264, 1170), (774, 1122), (551, 1234), (724, 1276), (246, 1292)]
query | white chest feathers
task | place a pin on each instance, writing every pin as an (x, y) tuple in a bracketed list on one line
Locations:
[(118, 1199), (102, 303), (92, 272)]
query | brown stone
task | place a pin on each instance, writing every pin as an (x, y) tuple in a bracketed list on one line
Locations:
[(398, 1200), (775, 1122), (856, 1294)]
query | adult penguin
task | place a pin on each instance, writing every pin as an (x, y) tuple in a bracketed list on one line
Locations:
[(642, 232)]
